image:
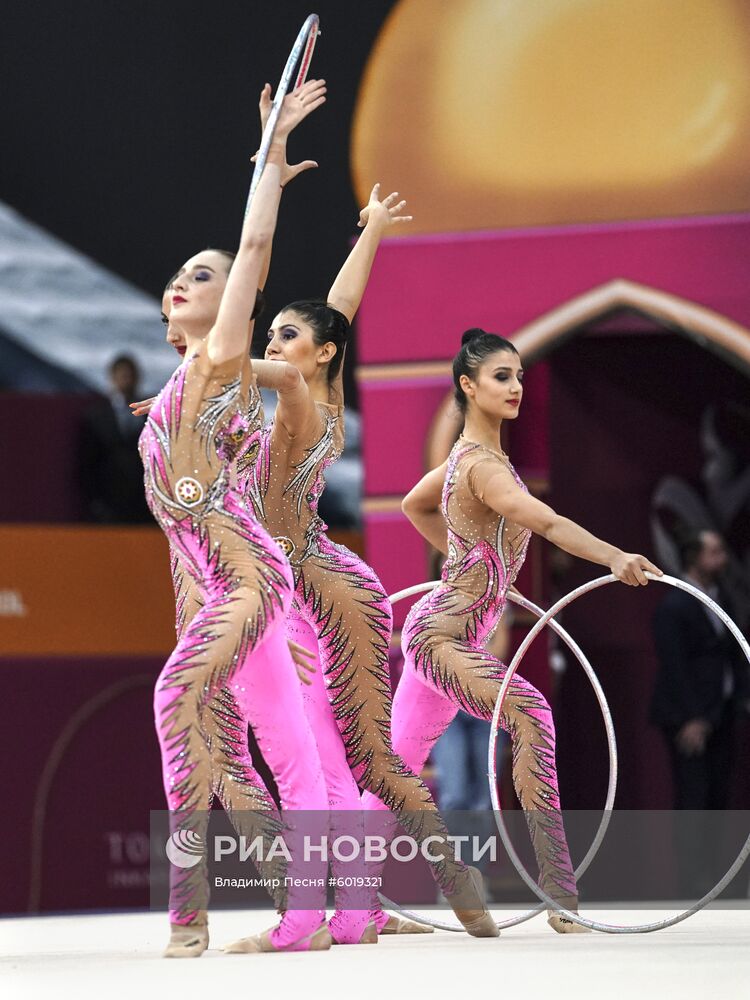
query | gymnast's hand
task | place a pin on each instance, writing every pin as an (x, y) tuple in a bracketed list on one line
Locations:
[(382, 214), (630, 568), (296, 107), (301, 657), (143, 408)]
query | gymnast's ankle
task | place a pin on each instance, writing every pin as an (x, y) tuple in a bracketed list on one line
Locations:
[(468, 904), (188, 940)]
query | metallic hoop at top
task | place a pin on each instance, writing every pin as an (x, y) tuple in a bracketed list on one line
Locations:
[(611, 743), (513, 666), (301, 53)]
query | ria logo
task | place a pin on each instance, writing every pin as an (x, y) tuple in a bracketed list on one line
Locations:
[(185, 848)]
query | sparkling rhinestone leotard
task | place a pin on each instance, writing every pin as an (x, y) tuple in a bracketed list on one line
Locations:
[(447, 667), (233, 646), (342, 600)]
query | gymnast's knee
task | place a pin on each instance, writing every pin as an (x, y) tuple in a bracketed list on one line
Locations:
[(391, 767), (413, 757), (528, 707), (178, 678), (263, 613)]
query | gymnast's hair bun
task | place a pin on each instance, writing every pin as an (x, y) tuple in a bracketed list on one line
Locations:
[(471, 335)]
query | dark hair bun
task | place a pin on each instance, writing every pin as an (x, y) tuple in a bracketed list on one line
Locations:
[(471, 335)]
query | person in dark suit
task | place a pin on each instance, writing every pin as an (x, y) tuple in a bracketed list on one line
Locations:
[(698, 685), (111, 473)]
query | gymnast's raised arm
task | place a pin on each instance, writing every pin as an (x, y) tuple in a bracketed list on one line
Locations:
[(349, 286), (288, 173), (375, 219), (307, 339), (229, 337)]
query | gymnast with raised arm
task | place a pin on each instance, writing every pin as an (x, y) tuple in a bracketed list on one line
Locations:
[(199, 426)]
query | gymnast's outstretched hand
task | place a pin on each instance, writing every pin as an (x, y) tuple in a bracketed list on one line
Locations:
[(296, 106), (349, 287), (385, 213)]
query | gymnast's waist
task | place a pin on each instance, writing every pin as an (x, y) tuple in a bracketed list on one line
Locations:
[(471, 588)]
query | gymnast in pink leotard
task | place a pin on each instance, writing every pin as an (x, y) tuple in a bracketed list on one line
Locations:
[(476, 510), (338, 597), (340, 606), (198, 428)]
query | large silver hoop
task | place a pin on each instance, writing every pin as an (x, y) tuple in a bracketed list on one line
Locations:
[(611, 743), (596, 925)]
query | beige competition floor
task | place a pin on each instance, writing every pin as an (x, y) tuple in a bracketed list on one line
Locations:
[(117, 955)]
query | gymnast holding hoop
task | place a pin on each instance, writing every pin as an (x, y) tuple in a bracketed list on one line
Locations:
[(476, 510), (197, 428)]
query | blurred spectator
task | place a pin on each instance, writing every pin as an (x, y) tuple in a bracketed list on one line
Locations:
[(698, 686), (722, 504), (341, 502), (460, 759), (111, 473)]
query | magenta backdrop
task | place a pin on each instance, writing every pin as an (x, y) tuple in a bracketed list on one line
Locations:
[(425, 290)]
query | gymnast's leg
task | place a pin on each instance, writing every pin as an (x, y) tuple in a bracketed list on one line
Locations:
[(235, 781), (420, 717), (349, 924), (471, 677), (346, 606), (267, 691)]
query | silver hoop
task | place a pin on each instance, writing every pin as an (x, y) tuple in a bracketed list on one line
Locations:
[(596, 925), (611, 743)]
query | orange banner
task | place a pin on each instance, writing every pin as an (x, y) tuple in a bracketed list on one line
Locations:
[(84, 591)]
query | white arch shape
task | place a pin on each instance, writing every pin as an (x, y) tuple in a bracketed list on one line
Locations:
[(709, 329)]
